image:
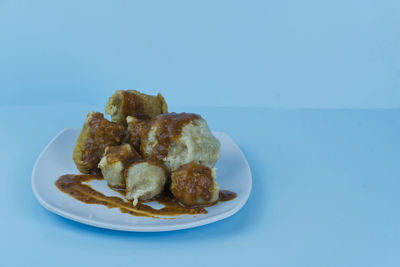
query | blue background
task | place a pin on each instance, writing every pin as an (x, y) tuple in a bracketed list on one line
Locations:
[(309, 90), (310, 53)]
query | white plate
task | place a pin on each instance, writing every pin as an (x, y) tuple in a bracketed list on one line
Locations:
[(233, 173)]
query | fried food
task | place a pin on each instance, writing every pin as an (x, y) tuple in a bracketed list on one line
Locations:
[(134, 131), (179, 138), (97, 133), (194, 184), (144, 180), (177, 151), (133, 103), (114, 161)]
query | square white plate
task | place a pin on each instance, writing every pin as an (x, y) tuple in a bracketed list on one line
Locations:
[(233, 173)]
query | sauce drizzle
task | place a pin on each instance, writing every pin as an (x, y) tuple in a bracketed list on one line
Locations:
[(169, 128), (76, 186)]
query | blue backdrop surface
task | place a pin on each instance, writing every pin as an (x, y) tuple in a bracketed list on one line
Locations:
[(310, 53), (299, 86), (325, 193)]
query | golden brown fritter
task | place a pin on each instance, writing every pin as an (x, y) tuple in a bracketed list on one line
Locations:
[(194, 184), (97, 133), (133, 103), (179, 138)]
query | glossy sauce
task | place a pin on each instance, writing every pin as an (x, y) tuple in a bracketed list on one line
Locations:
[(76, 186), (133, 105), (103, 133), (226, 195), (134, 131), (125, 154), (192, 181)]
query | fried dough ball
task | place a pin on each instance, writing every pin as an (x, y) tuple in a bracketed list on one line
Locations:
[(144, 180), (194, 184), (114, 161), (134, 103), (133, 131), (177, 139), (97, 133)]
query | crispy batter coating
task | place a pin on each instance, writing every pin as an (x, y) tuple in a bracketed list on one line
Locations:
[(133, 103)]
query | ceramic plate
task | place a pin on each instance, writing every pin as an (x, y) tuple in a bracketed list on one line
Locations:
[(233, 173)]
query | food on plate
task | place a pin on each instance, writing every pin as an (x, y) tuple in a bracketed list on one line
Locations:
[(97, 133), (134, 131), (179, 138), (133, 103), (194, 184), (144, 180), (114, 162), (145, 154)]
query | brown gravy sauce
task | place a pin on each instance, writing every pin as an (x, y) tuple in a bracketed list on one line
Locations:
[(133, 132), (103, 133), (76, 187), (170, 126), (133, 105), (192, 180)]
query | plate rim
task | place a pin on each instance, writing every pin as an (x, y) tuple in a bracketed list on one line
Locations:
[(117, 227)]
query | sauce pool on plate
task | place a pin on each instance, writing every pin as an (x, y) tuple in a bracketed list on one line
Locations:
[(77, 187)]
